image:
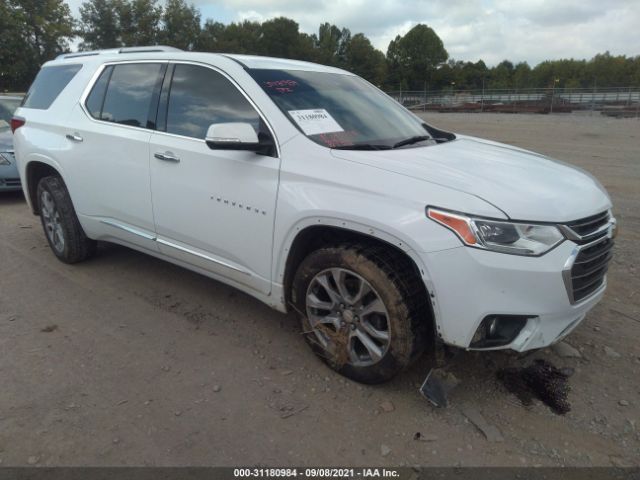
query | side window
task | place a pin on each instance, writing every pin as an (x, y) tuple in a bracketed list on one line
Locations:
[(96, 97), (130, 92), (199, 97), (48, 84)]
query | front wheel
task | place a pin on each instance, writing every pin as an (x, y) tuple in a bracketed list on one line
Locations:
[(357, 312), (61, 226)]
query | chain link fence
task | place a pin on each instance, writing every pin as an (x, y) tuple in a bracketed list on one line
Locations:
[(614, 102)]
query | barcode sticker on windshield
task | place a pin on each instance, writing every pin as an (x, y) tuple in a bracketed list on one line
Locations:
[(315, 121)]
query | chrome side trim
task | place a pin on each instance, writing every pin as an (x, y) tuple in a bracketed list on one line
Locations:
[(127, 228), (201, 255), (148, 236)]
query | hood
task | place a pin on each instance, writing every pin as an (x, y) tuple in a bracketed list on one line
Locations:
[(6, 140), (523, 184)]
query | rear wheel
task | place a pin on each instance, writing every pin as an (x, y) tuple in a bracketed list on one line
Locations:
[(359, 314), (61, 226)]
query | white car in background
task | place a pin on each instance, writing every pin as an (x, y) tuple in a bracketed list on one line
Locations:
[(310, 189)]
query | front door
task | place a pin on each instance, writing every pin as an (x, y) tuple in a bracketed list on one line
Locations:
[(213, 209)]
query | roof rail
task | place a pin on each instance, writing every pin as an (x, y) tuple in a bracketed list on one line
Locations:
[(154, 48), (149, 49)]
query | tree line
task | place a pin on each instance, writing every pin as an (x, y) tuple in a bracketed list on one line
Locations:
[(34, 31)]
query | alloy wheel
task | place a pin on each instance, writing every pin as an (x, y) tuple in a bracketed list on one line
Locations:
[(52, 221), (348, 317)]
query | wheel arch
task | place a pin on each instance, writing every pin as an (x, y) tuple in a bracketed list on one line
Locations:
[(323, 232), (35, 170)]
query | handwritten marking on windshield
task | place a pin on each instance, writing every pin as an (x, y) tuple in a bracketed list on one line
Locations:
[(282, 86)]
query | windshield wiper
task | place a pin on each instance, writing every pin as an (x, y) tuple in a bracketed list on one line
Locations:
[(411, 140), (363, 146)]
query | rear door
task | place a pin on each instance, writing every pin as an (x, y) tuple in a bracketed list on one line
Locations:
[(108, 151), (214, 209)]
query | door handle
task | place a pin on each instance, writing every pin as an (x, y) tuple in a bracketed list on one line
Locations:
[(74, 137), (167, 157)]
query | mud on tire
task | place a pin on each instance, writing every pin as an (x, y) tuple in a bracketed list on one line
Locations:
[(392, 279), (69, 243)]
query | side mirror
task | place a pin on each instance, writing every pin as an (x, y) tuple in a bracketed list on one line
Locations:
[(238, 136)]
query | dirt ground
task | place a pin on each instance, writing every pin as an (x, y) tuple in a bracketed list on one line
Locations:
[(128, 360)]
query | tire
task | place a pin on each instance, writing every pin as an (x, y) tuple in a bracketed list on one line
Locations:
[(60, 222), (338, 339)]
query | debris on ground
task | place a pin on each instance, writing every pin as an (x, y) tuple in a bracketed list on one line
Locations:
[(387, 406), (290, 410), (564, 350), (437, 385), (539, 380), (384, 450), (425, 437), (217, 388), (490, 432), (567, 371), (610, 352), (49, 328)]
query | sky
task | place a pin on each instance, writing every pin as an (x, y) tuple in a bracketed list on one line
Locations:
[(491, 30)]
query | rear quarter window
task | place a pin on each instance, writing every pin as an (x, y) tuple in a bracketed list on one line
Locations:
[(48, 84)]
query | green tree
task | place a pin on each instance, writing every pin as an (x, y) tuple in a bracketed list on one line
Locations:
[(396, 78), (522, 75), (31, 32), (281, 38), (363, 59), (15, 64), (100, 24), (416, 55), (211, 37), (180, 25), (331, 45), (502, 75), (47, 27), (243, 38), (139, 21)]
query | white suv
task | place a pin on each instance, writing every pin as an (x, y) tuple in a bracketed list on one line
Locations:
[(311, 190)]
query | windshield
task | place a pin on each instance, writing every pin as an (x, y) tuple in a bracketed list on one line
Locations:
[(7, 107), (341, 111)]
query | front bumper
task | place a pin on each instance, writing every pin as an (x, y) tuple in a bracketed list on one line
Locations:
[(469, 284)]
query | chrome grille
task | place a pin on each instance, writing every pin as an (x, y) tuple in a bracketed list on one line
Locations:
[(590, 267), (585, 272), (587, 229)]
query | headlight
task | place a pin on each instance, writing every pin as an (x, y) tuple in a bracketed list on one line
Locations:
[(5, 158), (506, 237)]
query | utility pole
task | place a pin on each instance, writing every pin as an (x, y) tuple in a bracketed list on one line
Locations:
[(553, 91), (424, 103)]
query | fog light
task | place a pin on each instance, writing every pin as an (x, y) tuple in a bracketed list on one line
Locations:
[(498, 330)]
